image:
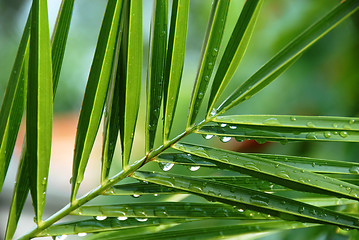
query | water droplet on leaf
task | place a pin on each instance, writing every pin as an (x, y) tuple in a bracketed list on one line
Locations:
[(166, 166), (194, 168), (207, 136), (327, 134), (343, 134), (225, 139), (354, 170), (271, 121), (101, 218), (141, 219)]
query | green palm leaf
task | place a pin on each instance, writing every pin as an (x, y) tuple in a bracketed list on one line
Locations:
[(279, 173), (155, 72), (21, 188), (131, 77), (39, 108), (95, 226), (288, 55), (211, 192), (213, 231), (212, 41), (95, 93), (169, 210), (235, 50), (175, 60), (14, 102), (282, 207), (306, 163)]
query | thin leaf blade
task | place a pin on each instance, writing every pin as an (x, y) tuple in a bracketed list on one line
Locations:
[(279, 173), (235, 50), (281, 134), (156, 66), (131, 88), (39, 106), (175, 60), (22, 184), (287, 56), (212, 41), (95, 93), (237, 196), (13, 104)]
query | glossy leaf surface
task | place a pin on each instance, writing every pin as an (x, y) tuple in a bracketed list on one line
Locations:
[(156, 66), (249, 199), (39, 106), (279, 173), (211, 45), (95, 93), (235, 49), (175, 60)]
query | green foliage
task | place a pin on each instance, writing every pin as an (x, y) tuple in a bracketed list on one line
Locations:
[(237, 195)]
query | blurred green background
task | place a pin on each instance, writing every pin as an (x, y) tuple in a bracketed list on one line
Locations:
[(325, 81)]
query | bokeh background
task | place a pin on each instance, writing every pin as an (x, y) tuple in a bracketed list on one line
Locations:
[(325, 81)]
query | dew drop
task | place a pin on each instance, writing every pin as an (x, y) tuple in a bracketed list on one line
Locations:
[(352, 121), (239, 139), (271, 121), (122, 218), (81, 234), (225, 139), (261, 141), (213, 112), (335, 133), (202, 151), (240, 210), (215, 52), (166, 166), (136, 195), (221, 212), (198, 212), (343, 134), (301, 209), (335, 125), (62, 237), (327, 134), (311, 136), (155, 194), (208, 136), (354, 170), (310, 124), (101, 218), (44, 181), (233, 127), (258, 199), (223, 124), (161, 211), (293, 119), (196, 187), (194, 168), (141, 219), (283, 174), (251, 165)]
